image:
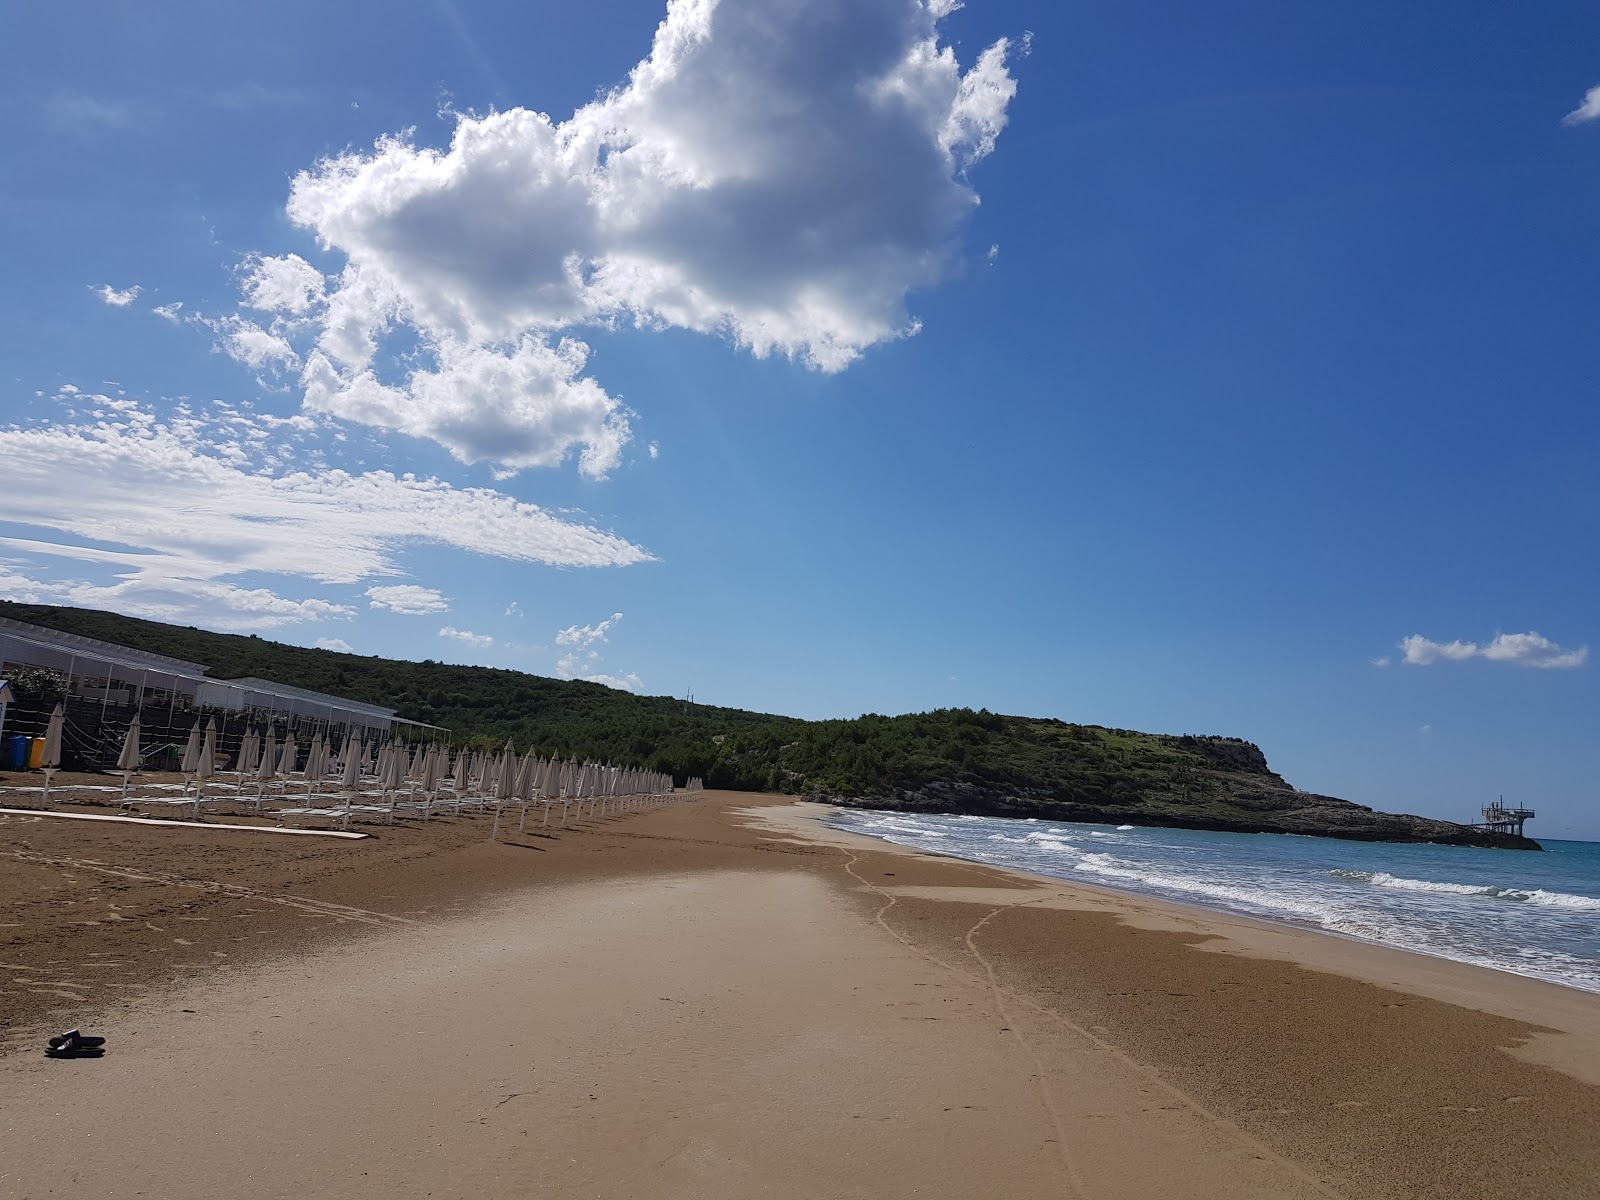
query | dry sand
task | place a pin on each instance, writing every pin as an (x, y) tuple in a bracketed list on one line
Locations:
[(710, 1001)]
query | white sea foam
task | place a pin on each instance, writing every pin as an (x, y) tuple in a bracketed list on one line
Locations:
[(1123, 828), (1384, 879), (1562, 900), (1523, 895)]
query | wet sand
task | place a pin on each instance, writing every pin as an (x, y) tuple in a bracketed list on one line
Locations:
[(721, 999)]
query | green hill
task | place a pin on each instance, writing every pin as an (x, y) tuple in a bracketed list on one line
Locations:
[(948, 760)]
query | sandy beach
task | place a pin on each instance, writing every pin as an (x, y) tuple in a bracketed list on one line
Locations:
[(721, 998)]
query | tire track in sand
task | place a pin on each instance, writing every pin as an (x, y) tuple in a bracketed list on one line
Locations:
[(320, 908)]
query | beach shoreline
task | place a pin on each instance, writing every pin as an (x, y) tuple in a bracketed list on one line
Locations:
[(1121, 1046), (1564, 1008)]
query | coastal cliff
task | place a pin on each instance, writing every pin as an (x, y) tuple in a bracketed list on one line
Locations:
[(1121, 777)]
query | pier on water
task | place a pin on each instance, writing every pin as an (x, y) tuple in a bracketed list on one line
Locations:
[(1501, 819)]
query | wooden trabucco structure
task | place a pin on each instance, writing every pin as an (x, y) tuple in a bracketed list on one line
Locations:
[(1501, 819)]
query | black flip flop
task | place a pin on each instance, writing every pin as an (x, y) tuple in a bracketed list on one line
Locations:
[(75, 1052)]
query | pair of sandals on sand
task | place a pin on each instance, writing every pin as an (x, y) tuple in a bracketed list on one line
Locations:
[(73, 1044)]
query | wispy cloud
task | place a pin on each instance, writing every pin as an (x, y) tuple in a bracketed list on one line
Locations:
[(1522, 649), (1588, 111), (198, 497), (163, 598), (79, 112), (409, 599)]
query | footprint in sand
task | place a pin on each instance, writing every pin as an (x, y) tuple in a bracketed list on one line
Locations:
[(1518, 1099)]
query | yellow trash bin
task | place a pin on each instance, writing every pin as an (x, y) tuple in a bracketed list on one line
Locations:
[(36, 753)]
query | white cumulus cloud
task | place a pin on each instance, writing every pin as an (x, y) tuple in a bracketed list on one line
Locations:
[(409, 599), (784, 175), (479, 640), (118, 299), (286, 284), (1524, 649), (583, 661), (585, 635), (1588, 111), (336, 644), (623, 683)]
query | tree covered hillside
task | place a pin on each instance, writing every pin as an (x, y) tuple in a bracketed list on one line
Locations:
[(951, 759)]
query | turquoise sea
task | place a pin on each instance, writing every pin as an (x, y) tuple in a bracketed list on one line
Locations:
[(1512, 910)]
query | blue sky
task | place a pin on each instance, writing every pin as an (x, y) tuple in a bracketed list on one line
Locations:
[(1156, 365)]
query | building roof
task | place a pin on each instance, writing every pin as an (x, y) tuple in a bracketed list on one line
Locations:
[(75, 645), (251, 683)]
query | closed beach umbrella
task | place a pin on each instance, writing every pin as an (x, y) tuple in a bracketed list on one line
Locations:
[(52, 738), (249, 748), (206, 763), (353, 754), (52, 748), (349, 750), (289, 759), (315, 762), (267, 768), (505, 781), (130, 758), (191, 750), (245, 764)]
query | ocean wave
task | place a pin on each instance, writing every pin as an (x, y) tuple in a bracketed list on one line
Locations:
[(1047, 839), (1254, 899), (1562, 900), (1520, 895)]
